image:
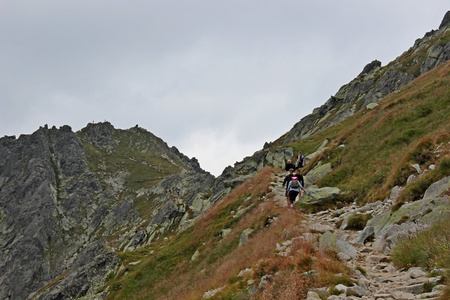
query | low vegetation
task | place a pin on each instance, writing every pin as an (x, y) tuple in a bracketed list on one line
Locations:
[(429, 249), (208, 255), (143, 167), (358, 221)]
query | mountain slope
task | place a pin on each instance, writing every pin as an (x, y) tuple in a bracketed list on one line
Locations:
[(236, 250), (374, 150), (370, 86), (63, 194), (375, 82)]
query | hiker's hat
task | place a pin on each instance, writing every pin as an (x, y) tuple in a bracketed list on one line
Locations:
[(291, 169), (294, 178)]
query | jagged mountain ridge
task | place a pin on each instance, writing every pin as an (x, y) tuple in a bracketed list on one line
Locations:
[(375, 82), (89, 186), (62, 192)]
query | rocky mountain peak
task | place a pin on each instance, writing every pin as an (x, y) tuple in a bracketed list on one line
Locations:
[(65, 194), (376, 82), (370, 67), (100, 134), (446, 21)]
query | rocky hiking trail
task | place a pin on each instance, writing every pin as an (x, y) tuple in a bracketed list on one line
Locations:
[(381, 279)]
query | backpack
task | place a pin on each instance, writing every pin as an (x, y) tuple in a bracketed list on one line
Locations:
[(295, 184)]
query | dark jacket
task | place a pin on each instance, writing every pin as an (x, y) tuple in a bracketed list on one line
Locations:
[(287, 179), (289, 166), (300, 179)]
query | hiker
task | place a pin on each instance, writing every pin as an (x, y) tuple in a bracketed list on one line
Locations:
[(289, 165), (286, 181), (300, 163), (294, 189)]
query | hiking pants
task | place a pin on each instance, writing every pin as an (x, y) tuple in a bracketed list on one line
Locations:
[(293, 195)]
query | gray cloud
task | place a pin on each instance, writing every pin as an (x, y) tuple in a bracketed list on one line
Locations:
[(216, 79)]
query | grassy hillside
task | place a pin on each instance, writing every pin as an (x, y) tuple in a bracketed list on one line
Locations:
[(140, 155), (411, 126)]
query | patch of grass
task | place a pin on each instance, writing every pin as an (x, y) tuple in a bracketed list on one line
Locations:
[(444, 39), (134, 152), (358, 221), (362, 270), (397, 206), (429, 248), (402, 220), (416, 189)]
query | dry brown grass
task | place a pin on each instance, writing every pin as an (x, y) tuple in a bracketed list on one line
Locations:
[(289, 284), (192, 279), (288, 280), (258, 247)]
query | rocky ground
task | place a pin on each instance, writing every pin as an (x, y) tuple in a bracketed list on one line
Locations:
[(376, 276)]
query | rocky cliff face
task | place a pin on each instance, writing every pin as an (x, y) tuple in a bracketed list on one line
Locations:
[(375, 82), (64, 197)]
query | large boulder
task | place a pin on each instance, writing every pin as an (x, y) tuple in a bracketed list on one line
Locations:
[(316, 198), (390, 226), (244, 236), (320, 149), (437, 188), (329, 241), (318, 172), (277, 158)]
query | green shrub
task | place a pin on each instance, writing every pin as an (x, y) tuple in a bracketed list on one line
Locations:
[(358, 221)]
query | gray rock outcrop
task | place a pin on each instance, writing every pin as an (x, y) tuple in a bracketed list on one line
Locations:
[(329, 241), (437, 188), (388, 228), (375, 82), (317, 198)]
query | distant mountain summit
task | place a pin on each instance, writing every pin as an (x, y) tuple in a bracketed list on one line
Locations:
[(65, 196)]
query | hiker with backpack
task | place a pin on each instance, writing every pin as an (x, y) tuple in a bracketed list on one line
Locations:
[(300, 163), (294, 188)]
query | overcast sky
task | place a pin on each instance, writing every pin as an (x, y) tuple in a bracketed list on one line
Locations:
[(214, 78)]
